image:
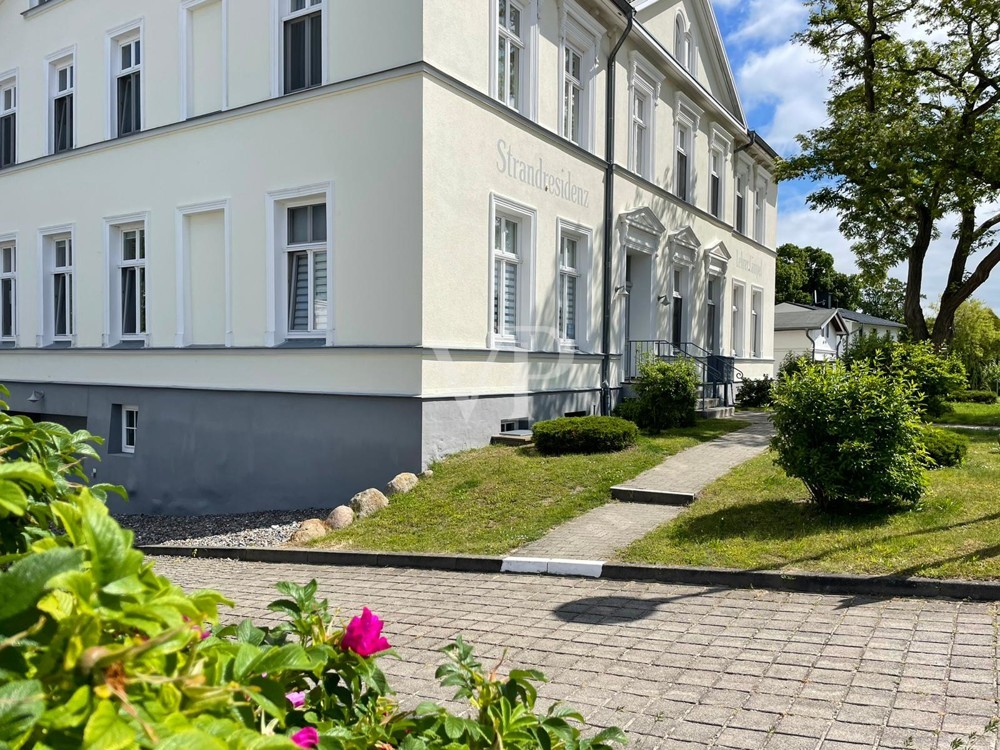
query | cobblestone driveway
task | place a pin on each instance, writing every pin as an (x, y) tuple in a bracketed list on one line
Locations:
[(676, 666)]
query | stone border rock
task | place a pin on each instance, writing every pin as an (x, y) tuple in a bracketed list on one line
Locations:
[(814, 583)]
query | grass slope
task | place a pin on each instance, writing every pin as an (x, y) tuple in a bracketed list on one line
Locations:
[(980, 415), (492, 500), (756, 517)]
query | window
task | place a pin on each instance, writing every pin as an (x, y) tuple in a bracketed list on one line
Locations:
[(307, 262), (59, 313), (302, 31), (682, 185), (680, 40), (63, 87), (572, 94), (759, 205), (8, 292), (640, 133), (677, 310), (506, 266), (645, 91), (127, 71), (569, 281), (511, 54), (712, 316), (756, 324), (739, 292), (715, 198), (131, 282), (741, 204), (8, 123), (130, 428)]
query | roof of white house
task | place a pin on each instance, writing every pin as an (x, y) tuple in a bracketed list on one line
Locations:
[(856, 317), (789, 316)]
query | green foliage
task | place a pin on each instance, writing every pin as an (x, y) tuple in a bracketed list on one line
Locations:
[(755, 393), (98, 651), (934, 377), (976, 341), (974, 397), (884, 300), (943, 447), (849, 435), (806, 275), (909, 140), (794, 363), (557, 437), (630, 409), (667, 392)]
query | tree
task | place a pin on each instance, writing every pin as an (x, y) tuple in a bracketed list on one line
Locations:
[(806, 275), (977, 339), (884, 300), (911, 141)]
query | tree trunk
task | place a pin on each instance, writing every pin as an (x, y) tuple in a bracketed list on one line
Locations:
[(913, 311)]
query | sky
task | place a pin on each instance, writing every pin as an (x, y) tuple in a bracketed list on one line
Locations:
[(783, 89)]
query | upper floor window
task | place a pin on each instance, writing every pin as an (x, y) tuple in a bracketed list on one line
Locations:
[(62, 88), (302, 42), (8, 291), (511, 53), (685, 51), (572, 94), (682, 186), (759, 215), (641, 134), (741, 203), (126, 86), (307, 261), (716, 184), (581, 39), (8, 122)]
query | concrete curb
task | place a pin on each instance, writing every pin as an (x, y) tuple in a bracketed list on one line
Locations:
[(812, 583)]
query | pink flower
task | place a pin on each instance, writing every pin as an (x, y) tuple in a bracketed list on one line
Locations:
[(306, 737), (297, 699), (364, 635)]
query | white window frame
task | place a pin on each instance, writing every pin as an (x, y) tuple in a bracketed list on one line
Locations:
[(187, 72), (9, 241), (644, 82), (281, 12), (114, 40), (687, 118), (114, 229), (277, 205), (684, 144), (184, 332), (8, 83), (579, 31), (738, 319), (528, 68), (54, 63), (47, 239), (721, 148), (311, 249), (126, 446), (743, 179), (756, 322), (524, 328), (760, 211), (584, 237)]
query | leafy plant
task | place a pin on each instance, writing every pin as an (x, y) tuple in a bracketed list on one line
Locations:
[(667, 392), (755, 393), (849, 435), (975, 397), (557, 437), (630, 409), (943, 447)]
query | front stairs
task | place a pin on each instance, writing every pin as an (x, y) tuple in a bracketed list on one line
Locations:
[(712, 408)]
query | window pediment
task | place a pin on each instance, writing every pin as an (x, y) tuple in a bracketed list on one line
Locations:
[(717, 259), (641, 230)]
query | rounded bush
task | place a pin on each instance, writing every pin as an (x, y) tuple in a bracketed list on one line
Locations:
[(975, 397), (630, 409), (850, 435), (584, 435), (667, 393), (944, 448), (755, 393)]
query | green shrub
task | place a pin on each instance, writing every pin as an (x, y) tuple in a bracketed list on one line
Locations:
[(975, 397), (667, 393), (584, 435), (755, 393), (849, 435), (943, 447), (935, 377), (794, 362), (98, 651), (630, 409)]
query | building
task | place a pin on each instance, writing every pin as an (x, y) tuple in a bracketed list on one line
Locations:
[(823, 333), (279, 250)]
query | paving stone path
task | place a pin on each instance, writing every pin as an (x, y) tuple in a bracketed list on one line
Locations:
[(600, 533), (677, 666)]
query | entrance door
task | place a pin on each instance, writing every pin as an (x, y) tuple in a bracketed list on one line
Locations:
[(712, 319), (677, 311)]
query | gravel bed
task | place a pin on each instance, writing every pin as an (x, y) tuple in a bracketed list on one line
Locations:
[(264, 529)]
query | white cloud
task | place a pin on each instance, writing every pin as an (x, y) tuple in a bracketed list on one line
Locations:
[(770, 20)]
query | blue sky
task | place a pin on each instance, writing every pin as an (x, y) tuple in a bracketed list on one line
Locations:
[(783, 87)]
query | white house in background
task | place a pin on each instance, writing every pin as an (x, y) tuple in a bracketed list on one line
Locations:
[(860, 324), (279, 250)]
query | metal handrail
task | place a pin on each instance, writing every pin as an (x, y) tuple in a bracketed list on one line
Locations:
[(716, 372)]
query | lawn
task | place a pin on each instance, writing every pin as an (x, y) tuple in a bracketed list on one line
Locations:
[(756, 517), (984, 415), (492, 500)]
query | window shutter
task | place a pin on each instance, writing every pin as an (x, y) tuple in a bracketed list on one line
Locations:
[(570, 307), (298, 280), (510, 299), (319, 291)]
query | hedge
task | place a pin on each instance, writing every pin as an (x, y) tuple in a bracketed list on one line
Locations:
[(584, 435), (944, 448)]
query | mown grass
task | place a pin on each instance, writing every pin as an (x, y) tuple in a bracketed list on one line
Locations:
[(756, 517), (975, 415), (492, 500)]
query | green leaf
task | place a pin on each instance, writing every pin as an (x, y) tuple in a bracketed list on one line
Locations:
[(13, 501), (24, 583), (454, 727), (21, 706), (106, 730), (71, 714), (192, 739), (247, 632), (284, 659)]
